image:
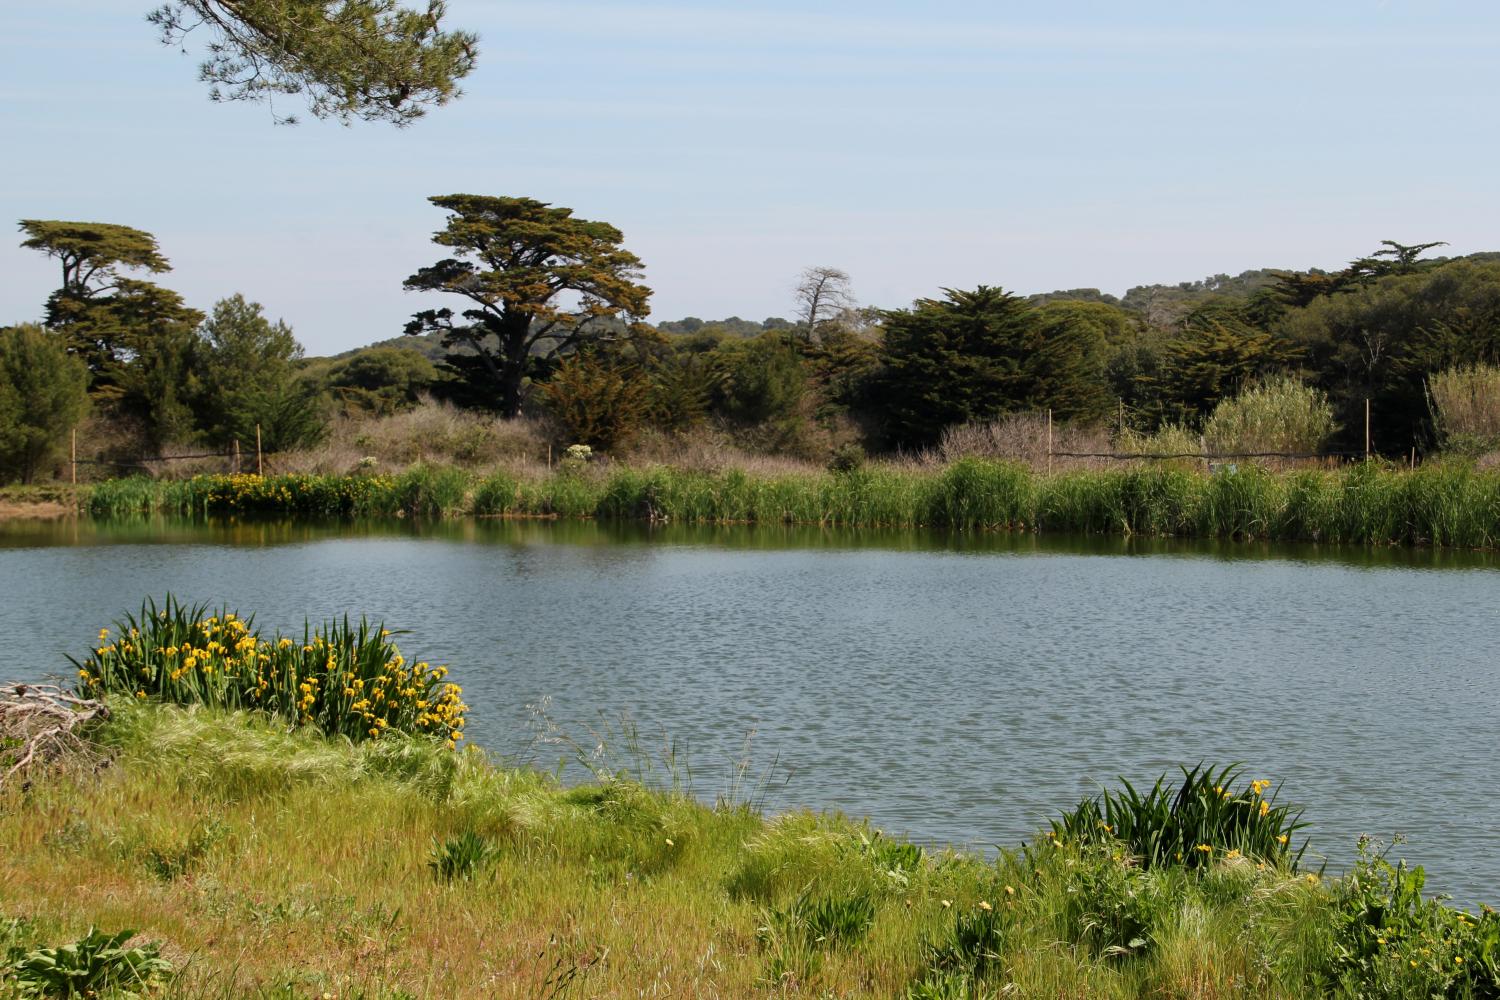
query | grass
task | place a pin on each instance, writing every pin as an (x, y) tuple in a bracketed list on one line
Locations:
[(1369, 503), (269, 862)]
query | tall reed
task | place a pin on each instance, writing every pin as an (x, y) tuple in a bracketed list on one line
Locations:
[(1369, 503)]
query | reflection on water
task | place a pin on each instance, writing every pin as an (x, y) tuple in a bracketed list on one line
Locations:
[(955, 687), (254, 531)]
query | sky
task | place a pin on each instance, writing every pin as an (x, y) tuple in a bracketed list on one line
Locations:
[(1031, 146)]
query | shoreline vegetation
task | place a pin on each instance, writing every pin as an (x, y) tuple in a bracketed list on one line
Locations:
[(254, 835), (1371, 503)]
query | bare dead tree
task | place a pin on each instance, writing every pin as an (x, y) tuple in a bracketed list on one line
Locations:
[(822, 294)]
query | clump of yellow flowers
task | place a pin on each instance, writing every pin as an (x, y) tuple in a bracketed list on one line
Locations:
[(349, 680)]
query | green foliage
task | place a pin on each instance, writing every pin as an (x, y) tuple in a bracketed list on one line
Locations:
[(143, 348), (370, 59), (345, 496), (346, 680), (795, 936), (758, 381), (1198, 823), (1217, 353), (1379, 341), (247, 376), (977, 354), (92, 253), (1280, 414), (1389, 941), (43, 394), (382, 380), (495, 494), (826, 922), (516, 262), (1113, 905), (95, 964), (460, 857), (597, 401)]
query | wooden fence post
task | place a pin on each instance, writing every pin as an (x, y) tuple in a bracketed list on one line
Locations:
[(73, 457), (1367, 428), (236, 468), (1049, 441), (258, 470)]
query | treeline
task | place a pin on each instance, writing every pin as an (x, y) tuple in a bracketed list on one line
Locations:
[(551, 322)]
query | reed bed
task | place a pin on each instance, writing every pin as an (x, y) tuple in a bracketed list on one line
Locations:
[(1370, 503)]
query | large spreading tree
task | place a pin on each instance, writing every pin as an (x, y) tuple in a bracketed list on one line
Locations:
[(92, 256), (370, 59), (538, 284)]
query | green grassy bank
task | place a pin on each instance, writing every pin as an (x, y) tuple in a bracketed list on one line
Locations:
[(1368, 503), (275, 863)]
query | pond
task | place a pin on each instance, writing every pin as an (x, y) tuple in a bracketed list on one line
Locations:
[(958, 689)]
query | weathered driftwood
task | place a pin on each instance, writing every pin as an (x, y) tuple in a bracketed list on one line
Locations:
[(40, 723)]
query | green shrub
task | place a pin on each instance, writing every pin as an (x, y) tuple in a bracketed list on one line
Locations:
[(344, 679)]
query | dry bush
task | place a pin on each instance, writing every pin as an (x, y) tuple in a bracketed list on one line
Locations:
[(1022, 437), (1466, 405)]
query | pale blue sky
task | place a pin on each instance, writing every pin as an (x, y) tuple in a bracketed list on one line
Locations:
[(1032, 146)]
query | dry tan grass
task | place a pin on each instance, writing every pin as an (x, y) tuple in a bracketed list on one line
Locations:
[(1022, 437), (713, 449), (432, 433), (1467, 405)]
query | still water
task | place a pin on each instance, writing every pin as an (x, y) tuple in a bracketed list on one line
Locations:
[(956, 689)]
